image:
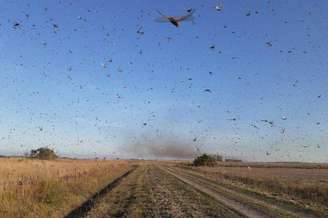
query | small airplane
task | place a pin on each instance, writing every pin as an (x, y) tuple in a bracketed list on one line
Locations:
[(175, 20)]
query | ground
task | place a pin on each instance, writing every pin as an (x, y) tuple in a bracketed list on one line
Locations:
[(168, 189)]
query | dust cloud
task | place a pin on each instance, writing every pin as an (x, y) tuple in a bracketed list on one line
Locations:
[(162, 149)]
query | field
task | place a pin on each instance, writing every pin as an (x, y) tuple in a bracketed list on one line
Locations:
[(35, 188), (108, 188)]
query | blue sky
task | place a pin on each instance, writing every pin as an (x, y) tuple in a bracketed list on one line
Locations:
[(77, 77)]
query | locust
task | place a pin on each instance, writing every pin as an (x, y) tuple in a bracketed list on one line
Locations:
[(176, 20)]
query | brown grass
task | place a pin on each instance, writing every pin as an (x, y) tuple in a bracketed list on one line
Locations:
[(294, 165), (35, 188), (296, 183)]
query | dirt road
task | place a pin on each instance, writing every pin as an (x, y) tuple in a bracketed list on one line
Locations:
[(153, 190), (247, 204)]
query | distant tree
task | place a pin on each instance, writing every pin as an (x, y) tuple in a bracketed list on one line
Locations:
[(205, 160), (218, 157), (233, 160), (43, 154)]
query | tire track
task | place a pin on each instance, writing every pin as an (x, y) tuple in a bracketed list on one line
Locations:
[(173, 198), (238, 206), (150, 192), (279, 207), (85, 207)]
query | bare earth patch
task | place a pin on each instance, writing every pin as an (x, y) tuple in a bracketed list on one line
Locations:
[(150, 192)]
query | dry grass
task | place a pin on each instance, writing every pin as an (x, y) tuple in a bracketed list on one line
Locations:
[(294, 165), (297, 183), (35, 188)]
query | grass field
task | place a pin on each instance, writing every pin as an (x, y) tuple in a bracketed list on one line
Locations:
[(306, 184), (118, 188), (35, 188)]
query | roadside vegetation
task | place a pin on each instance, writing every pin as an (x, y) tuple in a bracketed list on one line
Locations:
[(204, 160), (51, 188)]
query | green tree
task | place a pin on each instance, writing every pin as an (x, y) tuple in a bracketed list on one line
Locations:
[(204, 160), (43, 154)]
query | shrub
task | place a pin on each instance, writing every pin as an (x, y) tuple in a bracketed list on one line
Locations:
[(204, 160), (43, 154)]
